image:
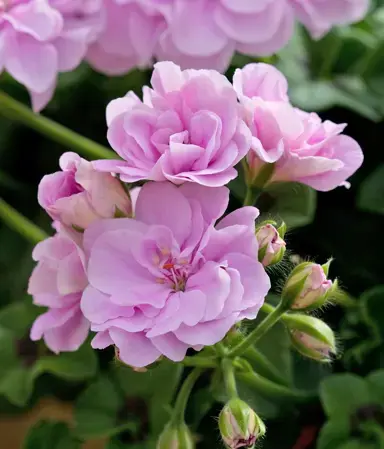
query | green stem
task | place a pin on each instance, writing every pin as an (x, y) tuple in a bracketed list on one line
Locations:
[(178, 415), (202, 362), (261, 362), (259, 331), (251, 196), (13, 110), (229, 378), (20, 224), (271, 389)]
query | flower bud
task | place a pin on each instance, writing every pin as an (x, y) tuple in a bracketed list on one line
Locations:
[(311, 337), (271, 243), (176, 437), (239, 425), (307, 287)]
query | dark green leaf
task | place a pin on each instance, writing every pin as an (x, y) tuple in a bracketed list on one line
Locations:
[(293, 203), (50, 435), (376, 383), (18, 317), (371, 193), (74, 366), (333, 433), (17, 385), (342, 394)]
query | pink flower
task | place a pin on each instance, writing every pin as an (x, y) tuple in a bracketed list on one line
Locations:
[(57, 282), (78, 194), (169, 279), (271, 245), (130, 35), (40, 38), (188, 128), (319, 16), (206, 33), (301, 146)]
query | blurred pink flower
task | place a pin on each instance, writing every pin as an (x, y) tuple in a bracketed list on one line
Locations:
[(40, 38), (302, 147), (78, 194), (57, 282), (129, 37), (319, 16), (168, 279), (206, 33), (188, 128)]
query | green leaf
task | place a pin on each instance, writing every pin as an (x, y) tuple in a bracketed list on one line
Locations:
[(17, 385), (292, 202), (73, 366), (96, 411), (356, 444), (146, 385), (50, 435), (18, 317), (371, 194), (333, 433), (342, 394), (376, 384)]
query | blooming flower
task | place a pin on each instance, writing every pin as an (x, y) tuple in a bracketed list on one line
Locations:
[(169, 279), (40, 38), (57, 282), (319, 16), (129, 37), (302, 146), (78, 194), (188, 128), (206, 33)]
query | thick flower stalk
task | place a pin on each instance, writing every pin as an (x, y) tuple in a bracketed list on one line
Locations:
[(171, 278)]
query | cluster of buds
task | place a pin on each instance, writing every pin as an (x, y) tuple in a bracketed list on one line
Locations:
[(240, 426), (271, 242)]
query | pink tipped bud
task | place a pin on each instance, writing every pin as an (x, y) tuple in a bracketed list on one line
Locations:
[(239, 425), (271, 243), (311, 337), (176, 437), (307, 287)]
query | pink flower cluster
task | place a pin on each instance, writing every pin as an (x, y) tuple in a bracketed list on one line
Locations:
[(41, 38), (157, 271)]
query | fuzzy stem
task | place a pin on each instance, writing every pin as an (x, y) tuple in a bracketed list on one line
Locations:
[(229, 378), (20, 224), (16, 111), (259, 331)]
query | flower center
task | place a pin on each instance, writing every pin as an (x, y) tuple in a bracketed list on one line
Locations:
[(174, 271)]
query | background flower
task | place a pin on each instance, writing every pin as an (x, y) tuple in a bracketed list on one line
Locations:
[(169, 279)]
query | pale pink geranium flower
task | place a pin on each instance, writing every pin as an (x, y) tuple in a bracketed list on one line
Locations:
[(78, 195), (319, 16), (188, 128), (171, 279), (57, 282), (129, 37), (40, 38), (301, 146), (206, 33)]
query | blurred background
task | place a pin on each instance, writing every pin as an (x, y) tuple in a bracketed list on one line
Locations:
[(342, 78)]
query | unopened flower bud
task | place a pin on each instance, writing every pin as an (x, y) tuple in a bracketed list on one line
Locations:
[(240, 427), (176, 437), (271, 243), (307, 287), (312, 337)]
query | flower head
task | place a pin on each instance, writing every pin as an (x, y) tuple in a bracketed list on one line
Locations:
[(176, 437), (56, 33), (187, 129), (271, 243), (301, 146), (170, 279), (319, 16), (57, 282), (78, 195)]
